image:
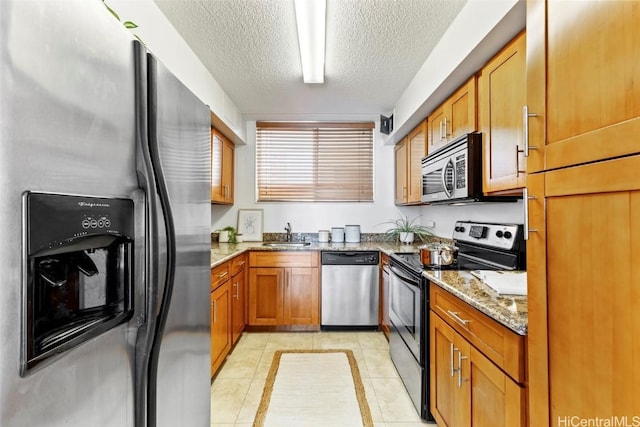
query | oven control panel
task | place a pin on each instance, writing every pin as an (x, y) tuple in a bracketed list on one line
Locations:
[(503, 236)]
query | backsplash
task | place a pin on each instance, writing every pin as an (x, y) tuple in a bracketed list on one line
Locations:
[(313, 237)]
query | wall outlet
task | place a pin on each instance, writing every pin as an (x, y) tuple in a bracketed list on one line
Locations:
[(430, 224)]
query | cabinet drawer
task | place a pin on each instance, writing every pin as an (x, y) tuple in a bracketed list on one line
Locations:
[(283, 259), (238, 264), (497, 342), (219, 275)]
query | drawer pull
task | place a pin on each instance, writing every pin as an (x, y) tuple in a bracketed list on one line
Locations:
[(223, 274), (457, 318)]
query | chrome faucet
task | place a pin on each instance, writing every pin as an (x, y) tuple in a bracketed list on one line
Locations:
[(288, 230)]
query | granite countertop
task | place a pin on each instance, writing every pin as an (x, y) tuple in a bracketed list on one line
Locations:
[(221, 252), (509, 310)]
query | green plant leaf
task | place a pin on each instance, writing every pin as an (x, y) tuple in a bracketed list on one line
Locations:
[(130, 25), (113, 12)]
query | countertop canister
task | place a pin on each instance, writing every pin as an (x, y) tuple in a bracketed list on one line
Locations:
[(337, 235), (352, 233), (323, 236)]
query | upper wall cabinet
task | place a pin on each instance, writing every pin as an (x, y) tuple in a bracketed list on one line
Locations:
[(402, 192), (221, 168), (501, 96), (583, 81), (409, 153), (454, 117)]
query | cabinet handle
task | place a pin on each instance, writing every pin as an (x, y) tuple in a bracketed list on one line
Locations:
[(223, 274), (241, 262), (451, 350), (457, 318), (525, 129), (525, 199), (460, 359), (518, 151), (215, 312), (235, 294), (446, 135), (441, 136)]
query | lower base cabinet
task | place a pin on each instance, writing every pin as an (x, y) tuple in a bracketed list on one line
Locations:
[(467, 389), (220, 325), (284, 289)]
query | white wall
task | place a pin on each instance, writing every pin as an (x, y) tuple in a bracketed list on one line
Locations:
[(164, 42), (446, 216), (311, 217)]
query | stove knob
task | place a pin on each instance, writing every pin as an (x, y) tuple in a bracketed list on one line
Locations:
[(499, 233), (507, 235), (460, 229)]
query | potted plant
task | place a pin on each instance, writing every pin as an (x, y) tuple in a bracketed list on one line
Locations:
[(228, 234), (407, 230)]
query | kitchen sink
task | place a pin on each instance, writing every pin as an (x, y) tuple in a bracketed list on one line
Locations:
[(286, 244)]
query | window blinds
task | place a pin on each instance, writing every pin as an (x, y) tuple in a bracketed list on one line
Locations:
[(314, 161)]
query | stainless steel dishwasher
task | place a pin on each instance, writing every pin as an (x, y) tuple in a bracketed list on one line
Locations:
[(350, 289)]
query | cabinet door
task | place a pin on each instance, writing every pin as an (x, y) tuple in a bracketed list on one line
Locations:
[(593, 352), (436, 136), (301, 296), (415, 152), (401, 172), (266, 296), (495, 399), (582, 67), (443, 373), (462, 117), (502, 87), (238, 295), (221, 168), (220, 327)]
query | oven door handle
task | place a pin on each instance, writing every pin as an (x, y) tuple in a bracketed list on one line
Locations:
[(403, 276)]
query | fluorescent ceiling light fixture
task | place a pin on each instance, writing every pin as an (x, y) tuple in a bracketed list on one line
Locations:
[(311, 23)]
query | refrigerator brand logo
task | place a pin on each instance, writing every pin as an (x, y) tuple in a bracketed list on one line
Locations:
[(93, 205)]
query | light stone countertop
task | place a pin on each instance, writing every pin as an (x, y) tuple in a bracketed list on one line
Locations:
[(509, 310)]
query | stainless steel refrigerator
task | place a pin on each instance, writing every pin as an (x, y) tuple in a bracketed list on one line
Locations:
[(104, 221)]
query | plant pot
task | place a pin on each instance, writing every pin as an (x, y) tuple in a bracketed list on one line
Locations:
[(223, 237), (406, 237)]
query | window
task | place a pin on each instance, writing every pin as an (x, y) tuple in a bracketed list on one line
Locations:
[(314, 161)]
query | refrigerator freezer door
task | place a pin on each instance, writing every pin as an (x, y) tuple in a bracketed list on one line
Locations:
[(179, 133), (66, 126)]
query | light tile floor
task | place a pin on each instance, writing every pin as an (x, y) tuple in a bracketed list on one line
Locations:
[(237, 389)]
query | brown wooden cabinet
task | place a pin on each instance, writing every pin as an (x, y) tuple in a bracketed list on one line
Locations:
[(454, 117), (582, 87), (408, 156), (239, 273), (501, 96), (222, 168), (220, 316), (473, 360), (583, 81), (284, 289), (402, 190)]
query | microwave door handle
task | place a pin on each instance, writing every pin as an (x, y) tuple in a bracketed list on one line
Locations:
[(444, 177)]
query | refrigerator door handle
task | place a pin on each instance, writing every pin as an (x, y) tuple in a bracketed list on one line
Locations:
[(169, 225)]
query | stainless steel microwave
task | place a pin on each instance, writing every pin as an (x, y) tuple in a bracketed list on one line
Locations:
[(453, 174)]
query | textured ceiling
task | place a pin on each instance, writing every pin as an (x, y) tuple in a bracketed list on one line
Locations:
[(374, 49)]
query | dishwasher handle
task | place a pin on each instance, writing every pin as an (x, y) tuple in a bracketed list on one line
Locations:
[(350, 258)]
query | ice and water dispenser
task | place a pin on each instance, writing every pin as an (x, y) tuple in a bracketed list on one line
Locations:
[(78, 278)]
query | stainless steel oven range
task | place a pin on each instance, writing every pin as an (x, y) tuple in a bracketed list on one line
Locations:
[(481, 246)]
